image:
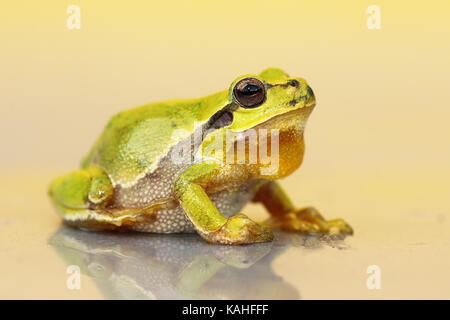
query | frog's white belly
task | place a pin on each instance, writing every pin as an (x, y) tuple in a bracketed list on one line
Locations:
[(158, 185), (228, 202)]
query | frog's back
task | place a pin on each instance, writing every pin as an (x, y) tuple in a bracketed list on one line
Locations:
[(135, 141)]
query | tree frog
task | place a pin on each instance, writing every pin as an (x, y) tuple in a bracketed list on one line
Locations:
[(133, 180)]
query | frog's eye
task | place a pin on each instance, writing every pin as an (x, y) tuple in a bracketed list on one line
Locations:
[(249, 92)]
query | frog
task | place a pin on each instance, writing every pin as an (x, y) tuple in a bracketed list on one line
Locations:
[(164, 167)]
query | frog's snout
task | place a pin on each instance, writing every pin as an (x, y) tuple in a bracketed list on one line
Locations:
[(311, 98), (310, 91)]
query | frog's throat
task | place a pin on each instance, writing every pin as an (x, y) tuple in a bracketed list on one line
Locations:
[(294, 119)]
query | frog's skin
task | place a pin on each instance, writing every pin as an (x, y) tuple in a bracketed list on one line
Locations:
[(128, 181)]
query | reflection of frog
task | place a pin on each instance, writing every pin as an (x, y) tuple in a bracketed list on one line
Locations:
[(129, 180), (140, 266)]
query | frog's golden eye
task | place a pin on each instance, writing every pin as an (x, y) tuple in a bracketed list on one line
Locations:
[(249, 92)]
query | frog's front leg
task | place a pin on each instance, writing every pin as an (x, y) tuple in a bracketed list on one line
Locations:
[(83, 199), (211, 225), (285, 216)]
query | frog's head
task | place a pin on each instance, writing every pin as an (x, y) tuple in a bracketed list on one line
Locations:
[(270, 99)]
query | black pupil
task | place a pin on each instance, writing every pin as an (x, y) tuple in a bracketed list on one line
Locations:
[(250, 89)]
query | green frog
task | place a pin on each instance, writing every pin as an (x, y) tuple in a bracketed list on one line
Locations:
[(191, 165)]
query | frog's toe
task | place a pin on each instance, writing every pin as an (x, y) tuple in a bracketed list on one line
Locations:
[(239, 229), (308, 221), (339, 226)]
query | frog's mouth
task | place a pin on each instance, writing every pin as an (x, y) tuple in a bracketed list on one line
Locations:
[(290, 120)]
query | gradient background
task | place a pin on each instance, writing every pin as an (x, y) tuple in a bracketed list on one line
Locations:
[(377, 143)]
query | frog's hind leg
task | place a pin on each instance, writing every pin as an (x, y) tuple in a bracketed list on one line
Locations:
[(84, 198), (104, 219), (285, 216)]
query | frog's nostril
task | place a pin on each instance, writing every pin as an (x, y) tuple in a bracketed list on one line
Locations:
[(310, 91)]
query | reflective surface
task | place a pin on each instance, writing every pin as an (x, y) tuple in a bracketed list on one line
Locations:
[(405, 234), (139, 266)]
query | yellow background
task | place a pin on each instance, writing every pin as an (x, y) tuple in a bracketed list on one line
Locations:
[(383, 95), (377, 143)]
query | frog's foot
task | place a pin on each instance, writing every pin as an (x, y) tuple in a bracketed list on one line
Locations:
[(309, 220), (239, 229)]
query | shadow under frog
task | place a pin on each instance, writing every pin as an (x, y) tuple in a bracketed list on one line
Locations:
[(179, 266)]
